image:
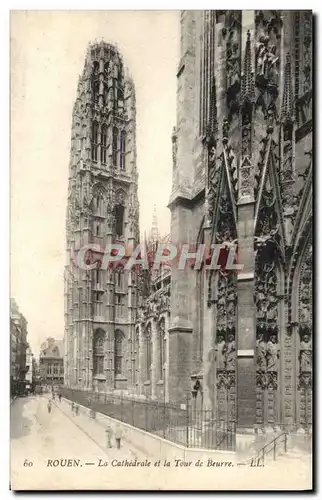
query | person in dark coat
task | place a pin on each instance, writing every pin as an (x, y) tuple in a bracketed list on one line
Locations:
[(118, 436)]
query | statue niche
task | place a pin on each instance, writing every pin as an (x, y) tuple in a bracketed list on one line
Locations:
[(225, 345), (267, 300), (305, 339)]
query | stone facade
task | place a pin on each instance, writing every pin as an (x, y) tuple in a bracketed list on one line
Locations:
[(243, 175), (51, 362), (100, 305), (239, 342), (18, 349)]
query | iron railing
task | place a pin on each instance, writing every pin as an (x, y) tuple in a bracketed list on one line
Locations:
[(185, 425), (269, 449)]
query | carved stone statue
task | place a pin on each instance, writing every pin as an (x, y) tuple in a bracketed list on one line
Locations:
[(261, 354), (261, 50), (141, 313), (272, 354), (220, 357), (306, 354), (231, 353)]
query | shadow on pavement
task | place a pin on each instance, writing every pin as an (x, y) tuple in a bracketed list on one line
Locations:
[(20, 424)]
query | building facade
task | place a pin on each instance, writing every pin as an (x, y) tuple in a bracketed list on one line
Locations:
[(100, 304), (18, 349), (30, 373), (51, 362), (239, 341), (243, 175)]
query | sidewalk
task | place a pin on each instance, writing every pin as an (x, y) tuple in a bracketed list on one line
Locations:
[(96, 431)]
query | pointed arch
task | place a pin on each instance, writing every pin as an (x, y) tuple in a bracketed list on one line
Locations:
[(98, 201), (98, 351), (118, 352), (104, 143), (269, 221), (122, 149), (95, 129), (115, 140), (161, 339), (148, 350)]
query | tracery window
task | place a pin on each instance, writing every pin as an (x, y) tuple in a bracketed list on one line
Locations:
[(162, 350), (94, 140), (118, 352), (148, 352), (122, 149), (115, 146), (98, 351), (136, 354), (104, 143), (119, 215)]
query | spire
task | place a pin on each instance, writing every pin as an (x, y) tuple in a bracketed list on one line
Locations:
[(154, 229), (248, 83), (212, 125), (287, 112)]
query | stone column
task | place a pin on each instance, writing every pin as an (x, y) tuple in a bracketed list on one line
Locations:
[(180, 331), (154, 366), (246, 312), (142, 361), (246, 321), (166, 364), (209, 373)]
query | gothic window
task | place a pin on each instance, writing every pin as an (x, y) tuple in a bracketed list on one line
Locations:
[(136, 354), (98, 277), (119, 279), (120, 92), (98, 351), (148, 352), (119, 215), (105, 95), (97, 230), (115, 146), (98, 204), (106, 69), (103, 143), (122, 149), (96, 87), (118, 352), (161, 341), (94, 140), (96, 67)]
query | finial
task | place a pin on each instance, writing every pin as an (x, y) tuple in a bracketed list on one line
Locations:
[(287, 111)]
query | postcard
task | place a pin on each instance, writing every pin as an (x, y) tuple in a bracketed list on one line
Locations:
[(161, 250)]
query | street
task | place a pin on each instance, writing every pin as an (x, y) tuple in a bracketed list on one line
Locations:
[(61, 451), (48, 450)]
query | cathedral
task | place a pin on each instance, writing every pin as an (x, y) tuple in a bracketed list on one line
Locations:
[(237, 342)]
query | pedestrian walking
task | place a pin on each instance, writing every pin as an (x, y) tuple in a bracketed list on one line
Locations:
[(118, 436), (109, 434), (59, 397), (73, 408), (49, 406)]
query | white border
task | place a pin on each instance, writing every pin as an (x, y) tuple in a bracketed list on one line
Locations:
[(4, 184)]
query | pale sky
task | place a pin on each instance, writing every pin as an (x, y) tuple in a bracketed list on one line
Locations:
[(47, 55)]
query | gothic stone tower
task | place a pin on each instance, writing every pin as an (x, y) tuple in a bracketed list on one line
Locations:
[(242, 174), (100, 304)]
